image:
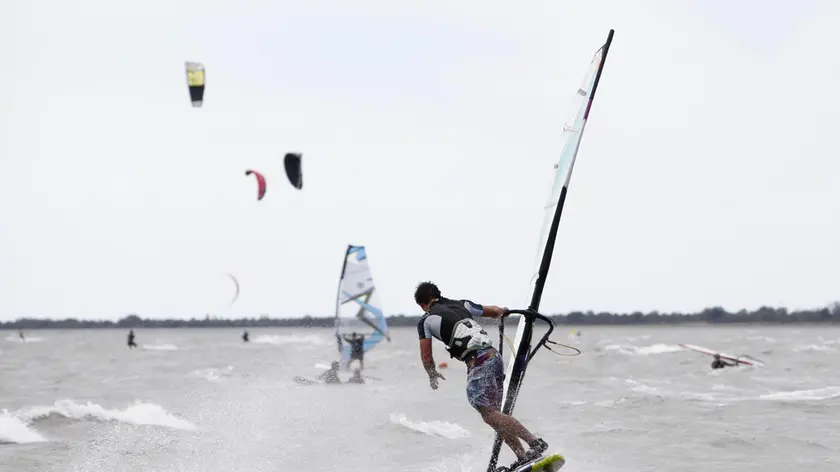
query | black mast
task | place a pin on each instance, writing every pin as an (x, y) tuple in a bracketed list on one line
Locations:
[(520, 359)]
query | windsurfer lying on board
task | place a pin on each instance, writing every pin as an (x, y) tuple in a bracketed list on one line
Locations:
[(453, 320), (331, 376), (719, 363)]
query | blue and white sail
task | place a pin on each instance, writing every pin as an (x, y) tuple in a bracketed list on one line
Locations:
[(553, 209), (358, 309)]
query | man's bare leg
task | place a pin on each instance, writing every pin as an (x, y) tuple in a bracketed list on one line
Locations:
[(499, 420), (509, 429), (513, 443)]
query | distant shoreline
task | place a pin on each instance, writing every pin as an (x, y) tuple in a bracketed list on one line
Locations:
[(715, 315)]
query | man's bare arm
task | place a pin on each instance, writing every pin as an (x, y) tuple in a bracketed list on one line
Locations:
[(493, 311), (426, 356), (429, 363)]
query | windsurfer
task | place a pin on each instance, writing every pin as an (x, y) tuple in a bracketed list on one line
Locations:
[(357, 349), (719, 363), (331, 376), (131, 343), (452, 320), (245, 336)]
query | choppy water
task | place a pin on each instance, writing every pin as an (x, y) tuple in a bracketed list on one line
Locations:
[(200, 400)]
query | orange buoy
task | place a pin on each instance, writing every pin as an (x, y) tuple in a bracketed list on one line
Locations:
[(443, 365)]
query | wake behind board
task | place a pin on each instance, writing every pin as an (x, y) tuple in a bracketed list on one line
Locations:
[(304, 380), (315, 381), (550, 463), (741, 360)]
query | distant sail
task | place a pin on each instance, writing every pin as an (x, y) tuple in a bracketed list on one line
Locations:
[(195, 81), (293, 169), (236, 282), (261, 185), (357, 306)]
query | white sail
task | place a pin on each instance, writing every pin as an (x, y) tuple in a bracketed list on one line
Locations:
[(358, 309), (572, 133)]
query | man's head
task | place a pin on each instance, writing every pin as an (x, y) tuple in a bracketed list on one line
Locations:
[(717, 357), (425, 293)]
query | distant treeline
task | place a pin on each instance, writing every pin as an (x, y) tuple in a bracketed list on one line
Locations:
[(714, 315)]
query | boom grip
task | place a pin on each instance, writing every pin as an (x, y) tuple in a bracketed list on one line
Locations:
[(536, 316)]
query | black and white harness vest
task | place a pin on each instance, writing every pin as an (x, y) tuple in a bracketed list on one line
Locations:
[(458, 330)]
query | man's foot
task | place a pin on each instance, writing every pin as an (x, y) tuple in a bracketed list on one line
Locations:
[(538, 447)]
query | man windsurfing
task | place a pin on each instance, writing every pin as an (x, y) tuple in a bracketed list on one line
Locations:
[(719, 363), (131, 343), (451, 322), (357, 349)]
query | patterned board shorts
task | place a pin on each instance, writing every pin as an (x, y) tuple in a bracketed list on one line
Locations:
[(485, 383)]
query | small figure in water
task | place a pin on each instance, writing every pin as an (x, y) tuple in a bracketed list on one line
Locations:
[(451, 322), (131, 343), (245, 336), (20, 333), (331, 376), (357, 349), (719, 363), (357, 377)]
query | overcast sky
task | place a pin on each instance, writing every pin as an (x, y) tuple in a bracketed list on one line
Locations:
[(708, 174)]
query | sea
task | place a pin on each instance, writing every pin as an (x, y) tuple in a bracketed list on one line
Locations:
[(202, 400)]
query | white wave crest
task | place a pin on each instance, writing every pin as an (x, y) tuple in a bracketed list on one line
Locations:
[(441, 429), (279, 340), (632, 350), (213, 374), (16, 339), (15, 430), (824, 393), (642, 388), (814, 348), (159, 347), (140, 413)]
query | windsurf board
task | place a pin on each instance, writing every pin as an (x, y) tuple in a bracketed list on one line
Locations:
[(550, 463)]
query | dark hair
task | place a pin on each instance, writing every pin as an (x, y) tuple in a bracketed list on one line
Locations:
[(426, 292)]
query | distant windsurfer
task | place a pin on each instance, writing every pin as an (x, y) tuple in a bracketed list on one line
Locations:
[(20, 333), (452, 320), (245, 336), (719, 363), (331, 376), (131, 343), (357, 348)]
